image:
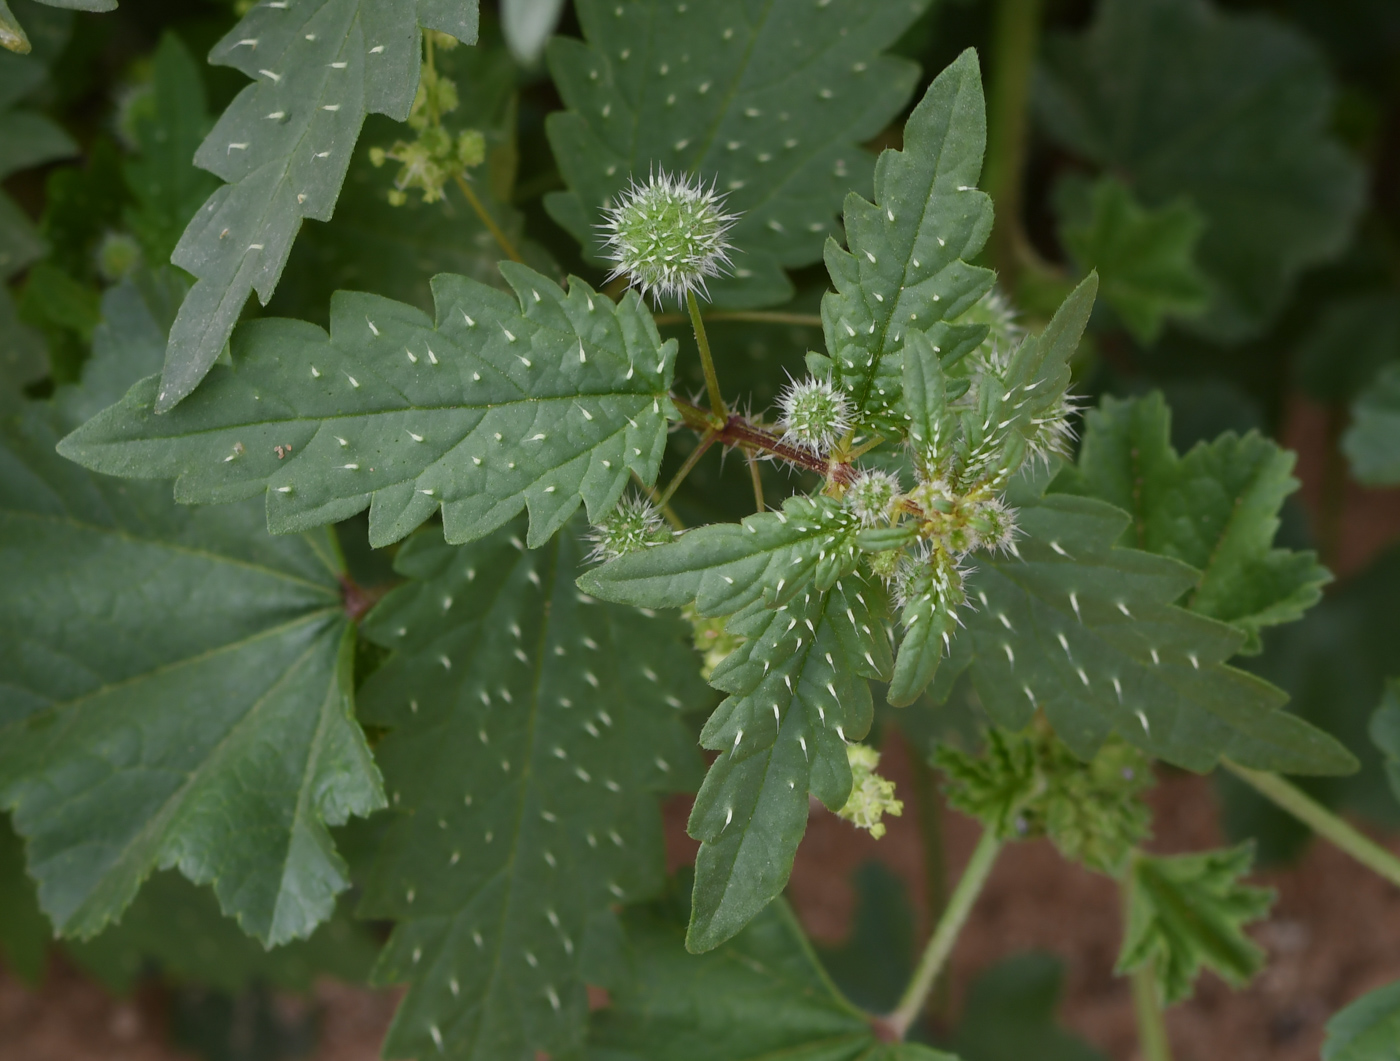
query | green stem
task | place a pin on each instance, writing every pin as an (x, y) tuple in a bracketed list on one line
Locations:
[(1153, 1043), (1015, 41), (707, 362), (940, 945), (1321, 820), (502, 240), (757, 478), (690, 462)]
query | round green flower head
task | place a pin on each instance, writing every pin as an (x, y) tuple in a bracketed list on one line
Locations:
[(814, 414), (871, 497), (667, 236), (633, 525)]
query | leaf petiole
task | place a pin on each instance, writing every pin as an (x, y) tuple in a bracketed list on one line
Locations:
[(940, 945), (1318, 818), (1147, 1008)]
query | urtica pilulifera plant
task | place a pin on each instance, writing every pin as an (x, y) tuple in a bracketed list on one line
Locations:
[(804, 496)]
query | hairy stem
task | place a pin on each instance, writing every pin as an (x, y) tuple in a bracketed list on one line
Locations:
[(738, 432), (502, 240), (1321, 820), (1015, 40), (706, 361), (940, 945), (1153, 1043)]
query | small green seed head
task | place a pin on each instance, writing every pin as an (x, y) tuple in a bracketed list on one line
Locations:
[(117, 256), (885, 566), (668, 236), (815, 414), (634, 524), (871, 497), (994, 524)]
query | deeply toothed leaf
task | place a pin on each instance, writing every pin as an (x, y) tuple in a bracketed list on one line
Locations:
[(283, 147), (1216, 509), (177, 694), (724, 567), (797, 694), (545, 400), (700, 89), (1087, 632), (906, 265), (530, 727)]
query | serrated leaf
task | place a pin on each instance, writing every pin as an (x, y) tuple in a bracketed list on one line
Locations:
[(168, 126), (797, 693), (905, 267), (543, 400), (1367, 1029), (1145, 257), (177, 929), (530, 726), (120, 612), (1087, 632), (1186, 912), (707, 89), (1216, 508), (1230, 111), (283, 147), (1372, 443), (761, 994), (1385, 733), (725, 567), (929, 619)]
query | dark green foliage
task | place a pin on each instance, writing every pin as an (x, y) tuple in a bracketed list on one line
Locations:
[(1372, 443), (762, 993), (283, 148), (697, 88), (24, 931), (1145, 258), (1188, 912), (1010, 1014), (1367, 1030), (873, 965), (1086, 631), (1385, 733), (1029, 784), (1229, 111), (563, 393), (1215, 508), (529, 727)]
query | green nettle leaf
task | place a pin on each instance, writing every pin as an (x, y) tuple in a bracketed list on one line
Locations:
[(120, 613), (542, 400), (797, 690), (1366, 1030), (906, 266), (1216, 509), (707, 89), (1087, 632), (283, 148), (167, 125), (1385, 733), (1010, 1014), (1145, 258), (530, 726), (761, 994), (1030, 784), (1372, 443), (178, 928), (1189, 911), (1231, 112)]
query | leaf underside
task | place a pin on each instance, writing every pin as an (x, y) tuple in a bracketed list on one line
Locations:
[(530, 727), (544, 400), (283, 147), (770, 101)]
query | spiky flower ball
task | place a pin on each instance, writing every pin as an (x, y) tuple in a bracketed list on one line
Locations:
[(634, 524), (872, 796), (871, 497), (1004, 334), (815, 413), (994, 524), (669, 235)]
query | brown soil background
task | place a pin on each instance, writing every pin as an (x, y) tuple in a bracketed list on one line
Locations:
[(1333, 935)]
